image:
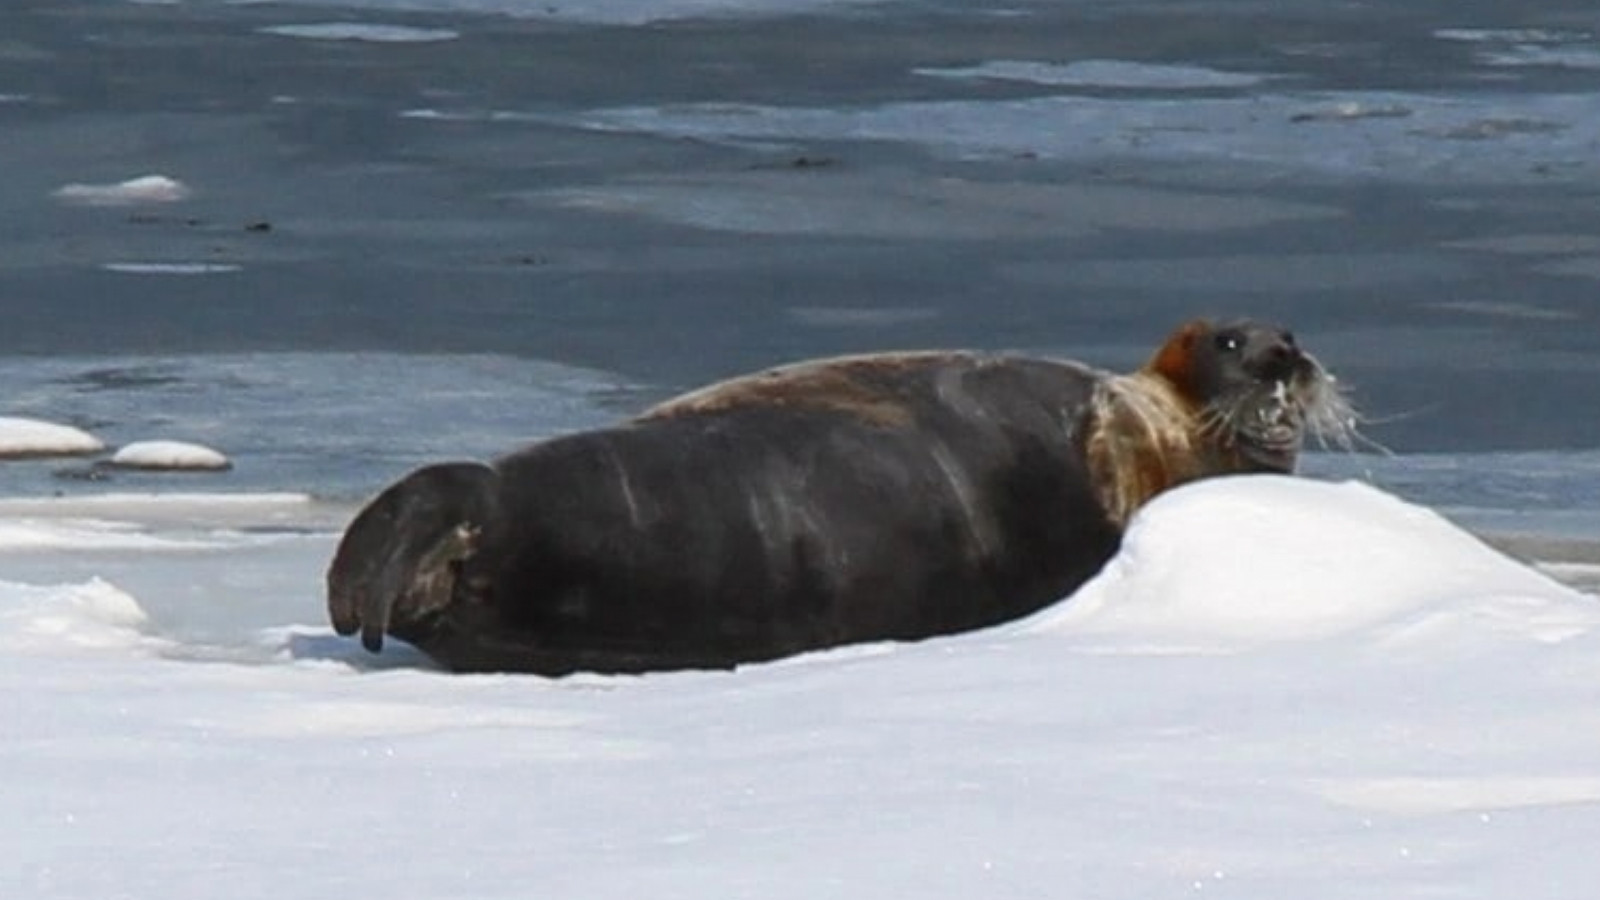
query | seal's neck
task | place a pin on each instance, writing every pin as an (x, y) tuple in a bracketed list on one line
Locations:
[(1145, 437)]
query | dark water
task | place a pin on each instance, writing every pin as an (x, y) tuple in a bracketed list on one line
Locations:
[(677, 201)]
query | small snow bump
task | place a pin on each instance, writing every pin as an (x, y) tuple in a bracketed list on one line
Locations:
[(170, 456), (33, 439)]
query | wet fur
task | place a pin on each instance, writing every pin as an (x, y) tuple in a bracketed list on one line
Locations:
[(890, 496)]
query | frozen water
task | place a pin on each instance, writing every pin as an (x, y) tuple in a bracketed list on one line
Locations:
[(354, 31), (163, 454), (1111, 73), (141, 190)]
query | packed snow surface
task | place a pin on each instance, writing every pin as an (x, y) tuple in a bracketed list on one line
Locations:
[(1426, 573), (1280, 688)]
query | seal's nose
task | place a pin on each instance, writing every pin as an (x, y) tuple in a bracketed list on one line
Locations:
[(1280, 358)]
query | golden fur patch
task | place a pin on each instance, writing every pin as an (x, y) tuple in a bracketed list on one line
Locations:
[(1144, 439), (847, 384)]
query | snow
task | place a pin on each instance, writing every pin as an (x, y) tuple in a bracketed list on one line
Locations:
[(1281, 688), (163, 454), (1431, 573), (26, 438), (144, 189)]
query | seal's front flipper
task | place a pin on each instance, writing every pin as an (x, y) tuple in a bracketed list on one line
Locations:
[(397, 560)]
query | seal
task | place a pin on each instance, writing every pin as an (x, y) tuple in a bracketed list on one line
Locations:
[(891, 496)]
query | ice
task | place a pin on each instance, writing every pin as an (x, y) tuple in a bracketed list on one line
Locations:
[(166, 454), (1111, 73), (1518, 47), (354, 31), (21, 437), (611, 12), (1281, 688), (333, 424), (170, 268), (134, 191), (1487, 137)]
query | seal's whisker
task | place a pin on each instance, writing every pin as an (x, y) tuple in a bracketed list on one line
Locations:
[(1330, 417)]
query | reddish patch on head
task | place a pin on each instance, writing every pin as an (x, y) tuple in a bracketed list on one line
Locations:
[(1175, 362)]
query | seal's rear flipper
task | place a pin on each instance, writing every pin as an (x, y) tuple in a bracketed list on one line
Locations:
[(394, 563)]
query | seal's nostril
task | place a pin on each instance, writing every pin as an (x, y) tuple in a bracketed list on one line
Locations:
[(1280, 359)]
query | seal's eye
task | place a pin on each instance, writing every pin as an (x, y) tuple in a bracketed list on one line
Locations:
[(1229, 342), (1288, 338)]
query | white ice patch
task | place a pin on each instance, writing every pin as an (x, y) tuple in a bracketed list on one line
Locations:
[(25, 438), (134, 191), (170, 455), (1507, 35), (86, 535), (1517, 47), (94, 614), (1483, 137), (170, 268), (1550, 57), (611, 12), (1103, 73), (357, 31), (159, 525), (1232, 563), (157, 505)]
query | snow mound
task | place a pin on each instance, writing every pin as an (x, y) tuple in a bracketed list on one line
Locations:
[(144, 189), (94, 614), (31, 438), (170, 456), (1230, 563)]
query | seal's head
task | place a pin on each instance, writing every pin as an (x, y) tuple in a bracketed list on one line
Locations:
[(1255, 392), (1218, 398)]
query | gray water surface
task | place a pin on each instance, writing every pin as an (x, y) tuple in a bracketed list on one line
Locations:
[(1414, 188)]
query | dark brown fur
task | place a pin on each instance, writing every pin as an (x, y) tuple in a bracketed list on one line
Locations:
[(891, 496)]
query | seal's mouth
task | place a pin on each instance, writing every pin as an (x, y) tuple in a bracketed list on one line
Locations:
[(1268, 422), (1271, 429)]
